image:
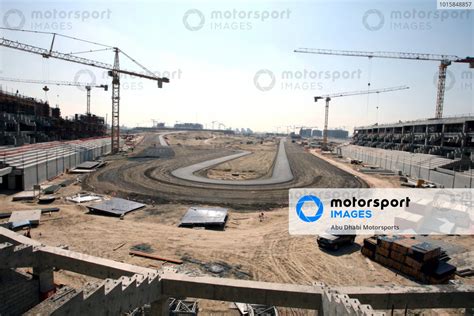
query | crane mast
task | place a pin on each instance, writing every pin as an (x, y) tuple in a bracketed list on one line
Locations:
[(445, 61), (115, 127), (443, 67)]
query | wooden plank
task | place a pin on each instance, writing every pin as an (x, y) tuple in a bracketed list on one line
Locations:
[(383, 251), (119, 246), (152, 256), (403, 246)]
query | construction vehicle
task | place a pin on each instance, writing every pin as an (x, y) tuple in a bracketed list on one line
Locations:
[(328, 98), (445, 61), (334, 242)]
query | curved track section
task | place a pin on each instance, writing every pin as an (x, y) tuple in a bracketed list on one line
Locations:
[(281, 170), (151, 180)]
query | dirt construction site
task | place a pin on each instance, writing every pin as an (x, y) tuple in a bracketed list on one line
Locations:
[(255, 243), (151, 179)]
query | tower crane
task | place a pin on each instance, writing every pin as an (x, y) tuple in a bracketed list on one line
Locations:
[(114, 71), (328, 98), (87, 86), (213, 123), (445, 61)]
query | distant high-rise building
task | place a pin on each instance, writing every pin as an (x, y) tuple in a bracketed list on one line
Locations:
[(305, 132), (338, 133), (332, 133), (317, 133)]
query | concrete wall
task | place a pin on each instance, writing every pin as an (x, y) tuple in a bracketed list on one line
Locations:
[(127, 286), (411, 167), (56, 164), (18, 292)]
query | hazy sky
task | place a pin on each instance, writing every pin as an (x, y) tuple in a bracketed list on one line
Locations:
[(221, 58)]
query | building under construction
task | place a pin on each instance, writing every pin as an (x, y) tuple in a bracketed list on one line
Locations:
[(188, 126), (448, 137), (332, 133), (25, 120)]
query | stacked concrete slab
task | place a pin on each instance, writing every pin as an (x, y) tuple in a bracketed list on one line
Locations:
[(33, 164)]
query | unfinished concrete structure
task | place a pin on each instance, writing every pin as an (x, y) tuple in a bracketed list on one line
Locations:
[(448, 137), (448, 173), (23, 167), (125, 287), (25, 120), (332, 133)]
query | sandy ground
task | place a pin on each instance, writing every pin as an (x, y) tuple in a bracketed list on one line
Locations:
[(256, 165), (150, 180), (254, 250), (203, 139), (248, 248), (251, 249), (374, 181)]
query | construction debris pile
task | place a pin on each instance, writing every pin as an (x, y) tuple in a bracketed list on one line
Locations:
[(420, 260)]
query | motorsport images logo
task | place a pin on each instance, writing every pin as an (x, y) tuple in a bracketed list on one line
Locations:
[(315, 206), (365, 211), (349, 208)]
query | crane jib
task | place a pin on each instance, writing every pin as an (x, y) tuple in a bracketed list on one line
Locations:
[(114, 71), (71, 58)]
